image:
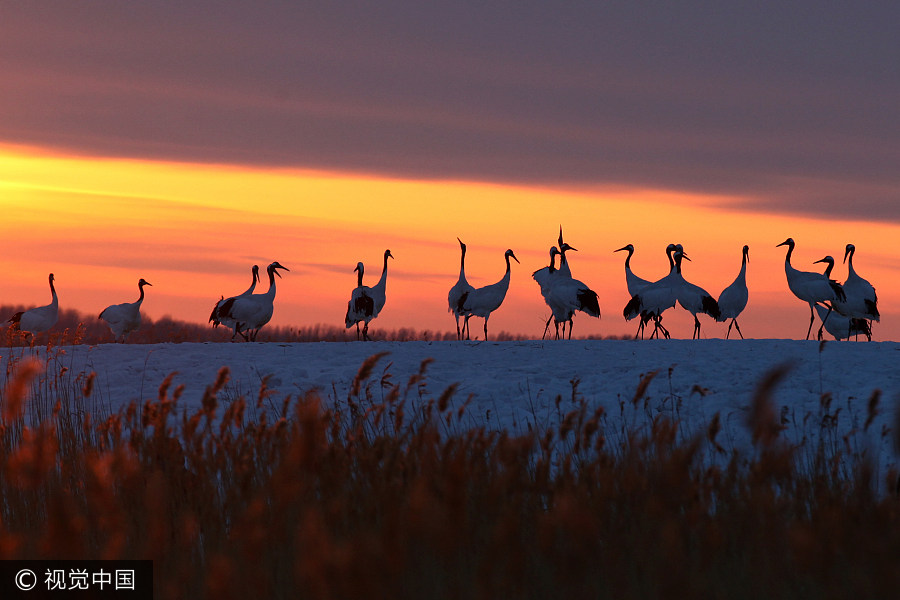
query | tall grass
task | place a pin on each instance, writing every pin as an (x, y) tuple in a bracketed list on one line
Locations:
[(392, 493)]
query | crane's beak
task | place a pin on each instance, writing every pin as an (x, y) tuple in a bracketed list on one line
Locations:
[(620, 249), (279, 266)]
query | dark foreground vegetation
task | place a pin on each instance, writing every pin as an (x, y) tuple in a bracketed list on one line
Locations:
[(384, 495)]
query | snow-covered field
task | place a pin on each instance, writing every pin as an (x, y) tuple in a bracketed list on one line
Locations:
[(513, 385)]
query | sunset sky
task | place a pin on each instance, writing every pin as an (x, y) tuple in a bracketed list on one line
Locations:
[(185, 143)]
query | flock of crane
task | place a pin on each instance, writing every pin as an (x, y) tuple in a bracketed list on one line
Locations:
[(846, 310)]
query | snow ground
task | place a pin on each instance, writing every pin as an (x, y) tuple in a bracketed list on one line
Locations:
[(514, 385)]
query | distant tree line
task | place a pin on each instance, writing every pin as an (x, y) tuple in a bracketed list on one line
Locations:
[(74, 327)]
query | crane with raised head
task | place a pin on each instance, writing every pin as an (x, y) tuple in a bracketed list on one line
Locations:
[(481, 302), (810, 287), (733, 299), (124, 318), (251, 312), (861, 302), (456, 298), (216, 317), (366, 302)]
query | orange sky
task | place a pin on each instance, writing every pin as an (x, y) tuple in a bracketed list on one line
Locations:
[(194, 230)]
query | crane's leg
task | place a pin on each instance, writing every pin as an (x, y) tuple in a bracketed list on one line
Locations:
[(664, 330), (696, 328), (736, 326), (366, 332), (466, 326), (547, 326), (485, 327), (812, 318), (357, 331), (571, 324), (825, 320), (458, 332)]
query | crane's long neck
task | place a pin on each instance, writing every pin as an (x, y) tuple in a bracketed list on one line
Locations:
[(271, 291), (743, 274), (787, 257), (850, 270), (672, 267), (141, 297), (628, 260), (252, 285), (382, 283), (359, 278), (789, 270), (54, 301), (462, 264)]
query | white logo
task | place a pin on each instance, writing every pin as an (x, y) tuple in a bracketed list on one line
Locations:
[(26, 579)]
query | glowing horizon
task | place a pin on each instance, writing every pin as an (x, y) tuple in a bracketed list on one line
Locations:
[(194, 230)]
